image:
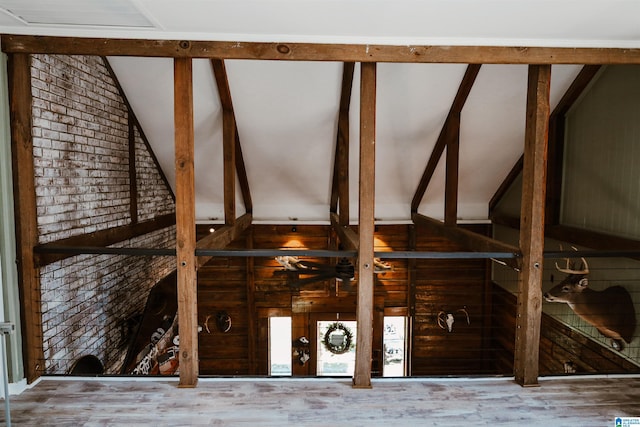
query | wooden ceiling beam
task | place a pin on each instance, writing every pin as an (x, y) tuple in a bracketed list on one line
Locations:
[(450, 130), (224, 235), (232, 151), (347, 236), (340, 186), (102, 238), (468, 239), (13, 43)]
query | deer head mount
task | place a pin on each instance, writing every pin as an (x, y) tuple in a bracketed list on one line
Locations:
[(611, 310)]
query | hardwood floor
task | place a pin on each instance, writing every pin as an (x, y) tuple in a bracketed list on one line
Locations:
[(566, 401)]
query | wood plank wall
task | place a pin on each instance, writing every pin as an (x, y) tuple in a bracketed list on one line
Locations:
[(439, 285), (448, 286)]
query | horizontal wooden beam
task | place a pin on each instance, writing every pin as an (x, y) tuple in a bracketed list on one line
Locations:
[(347, 236), (12, 43), (468, 239), (50, 252), (224, 235), (578, 236)]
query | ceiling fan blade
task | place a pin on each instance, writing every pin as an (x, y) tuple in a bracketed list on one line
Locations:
[(312, 279)]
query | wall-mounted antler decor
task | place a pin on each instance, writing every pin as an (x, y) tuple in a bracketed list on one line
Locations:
[(223, 322), (446, 319)]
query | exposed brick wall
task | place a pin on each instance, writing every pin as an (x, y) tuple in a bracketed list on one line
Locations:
[(152, 193), (87, 299), (80, 136)]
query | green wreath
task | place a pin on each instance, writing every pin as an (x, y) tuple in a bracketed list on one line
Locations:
[(333, 343)]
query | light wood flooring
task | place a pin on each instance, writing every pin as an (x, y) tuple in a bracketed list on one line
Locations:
[(566, 401)]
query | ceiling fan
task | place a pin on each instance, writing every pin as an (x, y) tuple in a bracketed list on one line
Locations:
[(343, 270)]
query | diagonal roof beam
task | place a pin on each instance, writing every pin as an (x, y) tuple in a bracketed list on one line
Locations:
[(339, 206), (340, 186), (347, 236), (233, 160), (224, 235), (468, 239), (448, 132)]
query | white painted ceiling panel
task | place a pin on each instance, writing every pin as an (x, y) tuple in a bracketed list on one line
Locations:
[(122, 13), (287, 111)]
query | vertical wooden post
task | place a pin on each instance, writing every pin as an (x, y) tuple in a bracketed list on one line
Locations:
[(186, 222), (229, 168), (529, 311), (364, 310), (19, 73), (451, 184)]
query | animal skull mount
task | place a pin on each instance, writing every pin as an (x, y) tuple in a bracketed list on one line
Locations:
[(446, 320)]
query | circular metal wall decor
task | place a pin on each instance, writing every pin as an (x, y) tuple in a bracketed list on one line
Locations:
[(338, 338)]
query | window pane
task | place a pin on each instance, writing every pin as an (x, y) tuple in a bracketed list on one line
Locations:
[(280, 346), (394, 346), (341, 337)]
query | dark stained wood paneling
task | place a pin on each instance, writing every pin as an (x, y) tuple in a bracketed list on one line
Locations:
[(440, 284), (448, 285)]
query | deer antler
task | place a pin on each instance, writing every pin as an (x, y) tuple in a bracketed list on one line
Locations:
[(570, 270), (464, 310), (441, 319)]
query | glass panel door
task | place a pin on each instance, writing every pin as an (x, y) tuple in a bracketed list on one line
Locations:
[(336, 348), (394, 346), (280, 346)]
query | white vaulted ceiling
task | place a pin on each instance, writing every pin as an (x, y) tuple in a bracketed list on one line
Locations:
[(287, 111)]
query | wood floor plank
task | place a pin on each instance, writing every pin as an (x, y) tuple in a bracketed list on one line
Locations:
[(583, 401)]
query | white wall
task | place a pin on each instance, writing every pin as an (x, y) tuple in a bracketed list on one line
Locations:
[(601, 183)]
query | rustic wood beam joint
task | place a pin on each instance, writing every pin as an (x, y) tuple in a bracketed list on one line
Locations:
[(224, 235), (101, 238), (468, 239), (577, 236), (347, 236)]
